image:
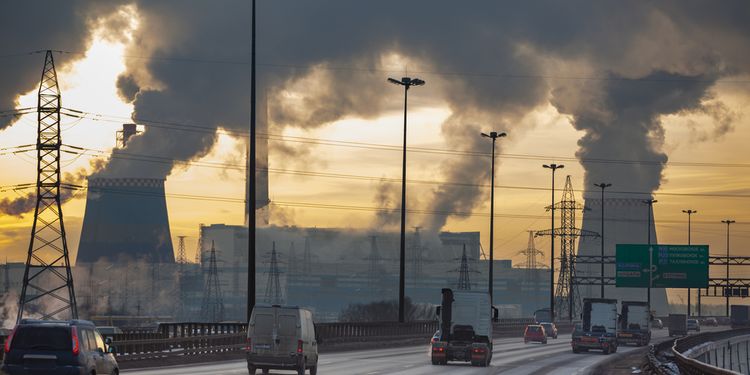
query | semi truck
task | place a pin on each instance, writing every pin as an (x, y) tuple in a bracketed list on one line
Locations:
[(677, 325), (740, 316), (598, 326), (635, 323), (465, 328)]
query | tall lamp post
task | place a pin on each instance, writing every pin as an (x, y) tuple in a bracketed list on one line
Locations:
[(407, 83), (690, 214), (650, 203), (553, 167), (602, 186), (251, 197), (726, 282), (494, 136)]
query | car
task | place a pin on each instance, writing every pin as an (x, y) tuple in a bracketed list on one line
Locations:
[(711, 322), (657, 324), (693, 325), (534, 332), (281, 338), (57, 347), (550, 329)]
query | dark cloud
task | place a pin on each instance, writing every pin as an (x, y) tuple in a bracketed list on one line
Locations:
[(615, 67)]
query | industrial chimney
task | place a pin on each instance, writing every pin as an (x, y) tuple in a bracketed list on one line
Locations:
[(625, 223), (125, 218)]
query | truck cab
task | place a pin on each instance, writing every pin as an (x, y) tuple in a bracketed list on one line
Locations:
[(634, 323), (465, 328), (598, 328)]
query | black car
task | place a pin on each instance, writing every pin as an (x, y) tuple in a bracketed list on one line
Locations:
[(52, 347)]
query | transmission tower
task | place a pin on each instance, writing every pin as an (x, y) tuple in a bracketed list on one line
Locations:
[(307, 257), (181, 259), (464, 282), (199, 250), (530, 253), (292, 261), (567, 298), (416, 257), (47, 275), (212, 309), (273, 286)]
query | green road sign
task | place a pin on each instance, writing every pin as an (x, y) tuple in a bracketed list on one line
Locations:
[(674, 266)]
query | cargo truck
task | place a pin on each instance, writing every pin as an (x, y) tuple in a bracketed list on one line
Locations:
[(740, 316), (543, 316), (677, 325), (465, 328), (598, 326), (635, 323)]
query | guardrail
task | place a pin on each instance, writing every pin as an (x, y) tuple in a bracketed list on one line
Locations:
[(709, 353)]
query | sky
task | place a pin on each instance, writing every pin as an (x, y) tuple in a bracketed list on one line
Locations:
[(658, 91)]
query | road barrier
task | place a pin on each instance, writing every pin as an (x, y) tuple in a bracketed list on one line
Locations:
[(712, 353)]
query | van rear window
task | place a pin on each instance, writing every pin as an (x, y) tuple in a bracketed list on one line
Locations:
[(287, 325), (263, 324), (42, 338)]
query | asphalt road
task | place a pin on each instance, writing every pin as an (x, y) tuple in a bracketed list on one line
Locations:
[(510, 356)]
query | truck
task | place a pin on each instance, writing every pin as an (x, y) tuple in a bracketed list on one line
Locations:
[(543, 316), (635, 323), (677, 325), (740, 316), (598, 326), (465, 333)]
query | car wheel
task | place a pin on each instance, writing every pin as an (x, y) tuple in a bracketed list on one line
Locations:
[(251, 370), (114, 372), (314, 370), (265, 371), (301, 369)]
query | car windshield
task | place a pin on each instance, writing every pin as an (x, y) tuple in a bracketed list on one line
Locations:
[(547, 326), (534, 328), (50, 338)]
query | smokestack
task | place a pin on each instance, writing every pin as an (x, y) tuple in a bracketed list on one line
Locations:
[(625, 223), (128, 130), (126, 217)]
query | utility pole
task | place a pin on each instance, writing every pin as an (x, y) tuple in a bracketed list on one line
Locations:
[(726, 281), (602, 186), (690, 214), (47, 276), (251, 197), (553, 167), (494, 136), (406, 82), (650, 203)]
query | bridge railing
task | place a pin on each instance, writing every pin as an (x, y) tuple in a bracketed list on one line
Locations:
[(709, 353)]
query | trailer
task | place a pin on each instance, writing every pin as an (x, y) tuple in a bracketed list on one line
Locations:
[(677, 325), (598, 328), (635, 323)]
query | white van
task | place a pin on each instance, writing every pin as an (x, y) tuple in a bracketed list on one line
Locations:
[(281, 338)]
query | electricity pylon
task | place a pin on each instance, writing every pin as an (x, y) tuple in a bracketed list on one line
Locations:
[(47, 280), (212, 309)]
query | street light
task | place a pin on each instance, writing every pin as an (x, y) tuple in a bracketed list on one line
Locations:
[(650, 203), (726, 282), (602, 186), (494, 136), (406, 82), (553, 167), (690, 213)]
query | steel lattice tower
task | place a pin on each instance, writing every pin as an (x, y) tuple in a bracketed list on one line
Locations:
[(47, 276), (199, 250), (307, 257), (181, 259), (273, 285), (212, 309), (464, 282), (416, 256), (567, 298), (530, 253)]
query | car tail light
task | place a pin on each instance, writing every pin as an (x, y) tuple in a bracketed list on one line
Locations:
[(249, 344), (478, 350), (74, 335), (438, 349), (9, 339), (299, 346)]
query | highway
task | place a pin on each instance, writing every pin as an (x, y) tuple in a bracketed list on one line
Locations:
[(510, 356)]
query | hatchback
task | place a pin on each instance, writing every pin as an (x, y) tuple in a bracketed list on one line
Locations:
[(50, 347), (534, 332)]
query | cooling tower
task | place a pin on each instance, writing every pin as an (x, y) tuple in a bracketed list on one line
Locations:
[(125, 217), (625, 223)]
